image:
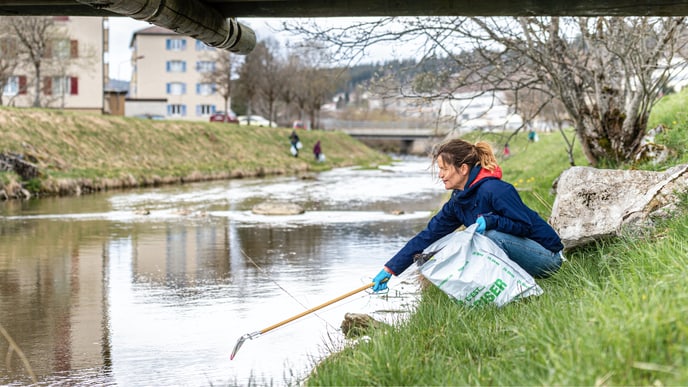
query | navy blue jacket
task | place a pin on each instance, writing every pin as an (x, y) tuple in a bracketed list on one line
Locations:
[(497, 201)]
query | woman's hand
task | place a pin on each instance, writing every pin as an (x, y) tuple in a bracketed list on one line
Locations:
[(380, 280), (481, 225)]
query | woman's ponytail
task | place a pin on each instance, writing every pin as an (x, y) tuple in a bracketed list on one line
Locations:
[(458, 152), (486, 157)]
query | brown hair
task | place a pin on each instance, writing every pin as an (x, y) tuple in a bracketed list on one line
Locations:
[(458, 152)]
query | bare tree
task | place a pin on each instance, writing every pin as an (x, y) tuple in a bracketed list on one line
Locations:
[(288, 74), (299, 85), (272, 81), (606, 71), (221, 76), (46, 47), (316, 81), (33, 34), (8, 57), (541, 111), (320, 87), (250, 77)]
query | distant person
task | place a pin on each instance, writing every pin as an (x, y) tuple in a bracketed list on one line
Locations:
[(507, 151), (295, 143), (317, 151), (531, 136), (479, 196)]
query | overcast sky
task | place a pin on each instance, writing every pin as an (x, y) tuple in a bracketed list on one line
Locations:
[(122, 29)]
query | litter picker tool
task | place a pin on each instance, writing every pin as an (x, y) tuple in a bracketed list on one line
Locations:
[(255, 334)]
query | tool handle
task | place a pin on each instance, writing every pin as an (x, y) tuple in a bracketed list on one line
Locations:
[(311, 310)]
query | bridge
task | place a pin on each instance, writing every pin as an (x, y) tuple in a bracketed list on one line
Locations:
[(408, 140)]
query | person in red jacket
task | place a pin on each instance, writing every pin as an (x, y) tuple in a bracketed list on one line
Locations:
[(317, 151), (480, 196)]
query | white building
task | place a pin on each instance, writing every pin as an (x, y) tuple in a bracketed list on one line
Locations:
[(168, 67), (479, 110), (72, 70)]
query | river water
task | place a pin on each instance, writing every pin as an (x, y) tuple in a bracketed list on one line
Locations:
[(154, 287)]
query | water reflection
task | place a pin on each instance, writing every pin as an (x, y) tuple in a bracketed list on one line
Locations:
[(95, 292)]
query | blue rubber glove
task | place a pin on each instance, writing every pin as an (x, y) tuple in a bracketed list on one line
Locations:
[(380, 280), (481, 225)]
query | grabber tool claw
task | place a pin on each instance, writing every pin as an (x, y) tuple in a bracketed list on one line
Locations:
[(253, 335)]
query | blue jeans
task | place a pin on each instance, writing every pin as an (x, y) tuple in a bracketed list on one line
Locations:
[(530, 255)]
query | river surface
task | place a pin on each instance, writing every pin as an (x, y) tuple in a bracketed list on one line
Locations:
[(154, 287)]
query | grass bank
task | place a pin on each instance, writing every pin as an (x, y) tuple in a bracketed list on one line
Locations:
[(79, 152), (615, 314)]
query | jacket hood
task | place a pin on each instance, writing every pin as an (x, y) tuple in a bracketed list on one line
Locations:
[(477, 175), (481, 173)]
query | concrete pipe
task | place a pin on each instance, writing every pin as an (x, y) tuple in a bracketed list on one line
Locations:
[(187, 17)]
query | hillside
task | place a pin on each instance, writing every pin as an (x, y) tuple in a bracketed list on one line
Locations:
[(79, 152)]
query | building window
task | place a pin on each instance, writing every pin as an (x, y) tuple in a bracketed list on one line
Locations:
[(205, 66), (8, 46), (63, 49), (176, 66), (176, 88), (12, 86), (61, 86), (205, 88), (177, 110), (200, 46), (177, 44), (205, 110)]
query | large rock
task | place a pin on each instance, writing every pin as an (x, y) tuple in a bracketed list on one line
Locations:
[(17, 164), (594, 203)]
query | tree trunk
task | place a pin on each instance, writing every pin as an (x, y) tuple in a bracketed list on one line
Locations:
[(37, 98)]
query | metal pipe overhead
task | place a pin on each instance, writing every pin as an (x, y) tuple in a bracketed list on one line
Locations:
[(186, 17)]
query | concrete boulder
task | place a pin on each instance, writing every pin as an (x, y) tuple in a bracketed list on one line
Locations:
[(277, 209), (594, 203)]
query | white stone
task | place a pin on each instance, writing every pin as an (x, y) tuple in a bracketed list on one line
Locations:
[(594, 203)]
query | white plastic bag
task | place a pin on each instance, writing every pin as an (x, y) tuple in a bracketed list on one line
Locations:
[(473, 270)]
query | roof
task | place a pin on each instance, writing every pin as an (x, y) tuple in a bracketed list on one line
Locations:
[(152, 30)]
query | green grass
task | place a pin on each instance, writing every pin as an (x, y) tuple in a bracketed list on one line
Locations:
[(672, 113), (616, 313)]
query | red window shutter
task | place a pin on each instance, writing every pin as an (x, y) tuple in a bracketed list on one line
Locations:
[(74, 86), (73, 48), (47, 86), (22, 84)]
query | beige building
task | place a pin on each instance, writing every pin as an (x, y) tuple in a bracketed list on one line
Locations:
[(168, 66), (73, 71)]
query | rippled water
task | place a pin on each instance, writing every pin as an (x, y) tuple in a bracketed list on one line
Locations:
[(154, 287)]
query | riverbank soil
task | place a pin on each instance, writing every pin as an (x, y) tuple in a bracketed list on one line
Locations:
[(78, 153)]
